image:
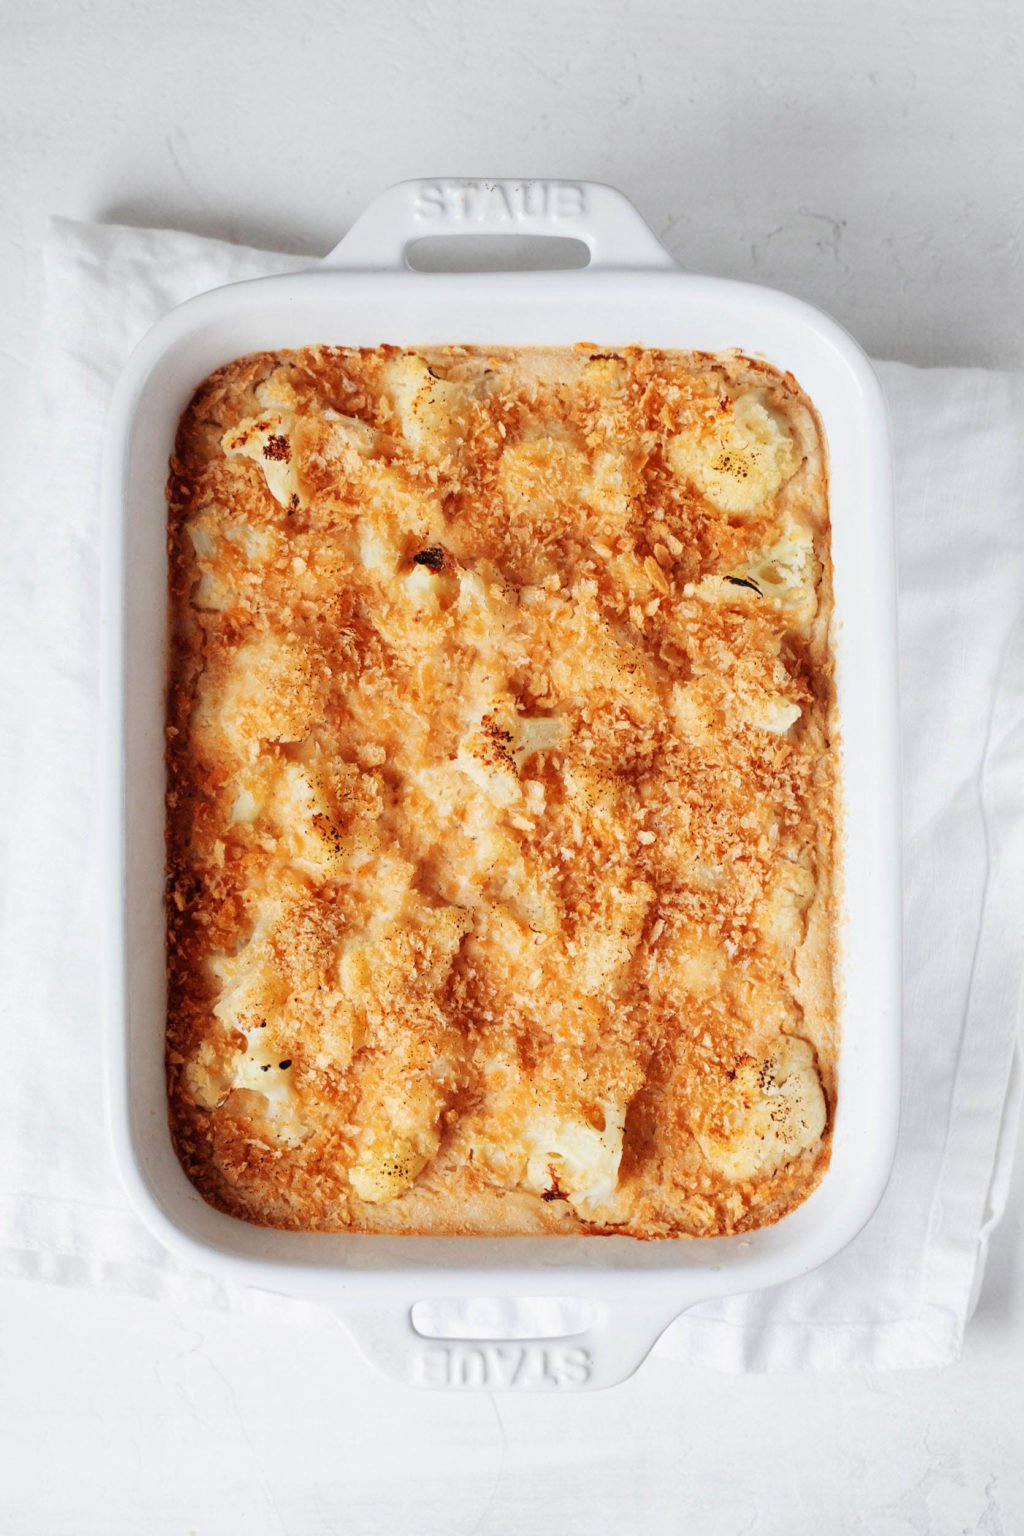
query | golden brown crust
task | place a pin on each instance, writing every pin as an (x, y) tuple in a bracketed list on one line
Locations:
[(501, 792)]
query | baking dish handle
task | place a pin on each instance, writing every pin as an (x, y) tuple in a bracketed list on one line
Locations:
[(598, 215), (618, 1338)]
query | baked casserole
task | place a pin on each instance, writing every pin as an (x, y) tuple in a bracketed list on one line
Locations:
[(502, 792)]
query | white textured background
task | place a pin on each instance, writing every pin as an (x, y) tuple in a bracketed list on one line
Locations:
[(869, 157)]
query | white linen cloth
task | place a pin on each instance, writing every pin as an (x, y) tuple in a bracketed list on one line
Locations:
[(901, 1293)]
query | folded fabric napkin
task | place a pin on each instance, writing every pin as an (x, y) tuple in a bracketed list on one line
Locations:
[(901, 1293)]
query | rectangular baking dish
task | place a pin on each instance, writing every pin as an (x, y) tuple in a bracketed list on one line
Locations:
[(361, 295)]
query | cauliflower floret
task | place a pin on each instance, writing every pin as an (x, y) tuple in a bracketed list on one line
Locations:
[(206, 1077), (253, 992), (558, 1154), (787, 571), (433, 581), (608, 942), (536, 733), (781, 916), (244, 808), (220, 581), (268, 690), (346, 439), (769, 1112), (266, 440), (740, 461), (252, 987), (308, 824), (408, 1083), (772, 713), (539, 474), (426, 406), (260, 1069), (572, 1155), (495, 749), (390, 1164)]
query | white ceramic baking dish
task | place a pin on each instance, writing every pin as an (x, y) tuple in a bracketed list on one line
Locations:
[(364, 293)]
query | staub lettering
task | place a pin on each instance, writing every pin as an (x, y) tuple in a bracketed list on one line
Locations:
[(498, 202), (503, 1366)]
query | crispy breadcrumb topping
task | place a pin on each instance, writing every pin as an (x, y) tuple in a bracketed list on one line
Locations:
[(501, 808)]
